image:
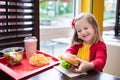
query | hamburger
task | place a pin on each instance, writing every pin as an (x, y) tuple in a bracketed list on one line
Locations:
[(68, 60)]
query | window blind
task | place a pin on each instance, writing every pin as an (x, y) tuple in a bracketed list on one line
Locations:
[(18, 19), (117, 22)]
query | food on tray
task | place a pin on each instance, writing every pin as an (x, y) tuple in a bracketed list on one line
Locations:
[(67, 60), (39, 60), (13, 58)]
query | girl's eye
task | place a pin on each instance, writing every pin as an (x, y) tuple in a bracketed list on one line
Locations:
[(79, 31), (85, 28)]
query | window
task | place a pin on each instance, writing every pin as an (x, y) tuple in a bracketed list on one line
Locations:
[(56, 12), (109, 12), (55, 24)]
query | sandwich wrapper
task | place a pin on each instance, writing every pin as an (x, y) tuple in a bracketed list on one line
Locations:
[(68, 72)]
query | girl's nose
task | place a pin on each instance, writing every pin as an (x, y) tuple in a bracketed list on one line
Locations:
[(83, 32)]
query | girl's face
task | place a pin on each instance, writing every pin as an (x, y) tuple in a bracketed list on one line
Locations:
[(85, 30)]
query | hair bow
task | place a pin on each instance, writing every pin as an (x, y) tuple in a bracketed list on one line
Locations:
[(73, 23)]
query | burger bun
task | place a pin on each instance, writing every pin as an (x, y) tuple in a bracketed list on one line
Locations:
[(70, 58)]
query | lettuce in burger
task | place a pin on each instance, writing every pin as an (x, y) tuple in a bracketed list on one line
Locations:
[(67, 60)]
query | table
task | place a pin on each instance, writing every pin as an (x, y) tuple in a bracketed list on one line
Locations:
[(53, 74)]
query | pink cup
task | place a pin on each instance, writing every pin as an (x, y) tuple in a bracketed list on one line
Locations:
[(30, 46)]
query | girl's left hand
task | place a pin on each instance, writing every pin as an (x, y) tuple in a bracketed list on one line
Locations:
[(83, 67)]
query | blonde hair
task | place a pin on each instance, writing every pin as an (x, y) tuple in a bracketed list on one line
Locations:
[(91, 20)]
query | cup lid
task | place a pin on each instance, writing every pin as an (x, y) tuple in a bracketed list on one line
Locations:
[(30, 38)]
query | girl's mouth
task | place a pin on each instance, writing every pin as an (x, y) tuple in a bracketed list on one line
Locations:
[(84, 36)]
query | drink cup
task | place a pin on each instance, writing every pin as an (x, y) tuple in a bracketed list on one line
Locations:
[(30, 46)]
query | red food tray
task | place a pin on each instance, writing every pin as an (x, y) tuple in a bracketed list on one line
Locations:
[(25, 69)]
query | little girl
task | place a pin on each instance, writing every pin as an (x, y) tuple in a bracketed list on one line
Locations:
[(87, 44)]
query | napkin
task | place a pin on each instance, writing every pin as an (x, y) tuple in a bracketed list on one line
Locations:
[(68, 72)]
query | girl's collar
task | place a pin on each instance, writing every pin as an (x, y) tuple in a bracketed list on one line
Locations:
[(86, 44)]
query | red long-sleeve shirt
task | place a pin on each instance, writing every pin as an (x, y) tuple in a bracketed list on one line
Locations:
[(98, 54)]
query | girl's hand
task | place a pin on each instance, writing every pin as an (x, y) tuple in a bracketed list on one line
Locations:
[(83, 67)]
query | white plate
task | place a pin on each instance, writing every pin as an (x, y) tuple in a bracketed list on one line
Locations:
[(68, 73)]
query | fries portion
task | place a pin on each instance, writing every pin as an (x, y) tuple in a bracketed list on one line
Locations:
[(39, 60)]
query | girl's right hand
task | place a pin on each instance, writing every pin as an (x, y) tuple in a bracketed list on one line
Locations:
[(83, 67)]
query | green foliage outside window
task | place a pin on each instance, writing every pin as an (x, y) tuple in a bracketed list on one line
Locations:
[(52, 9)]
